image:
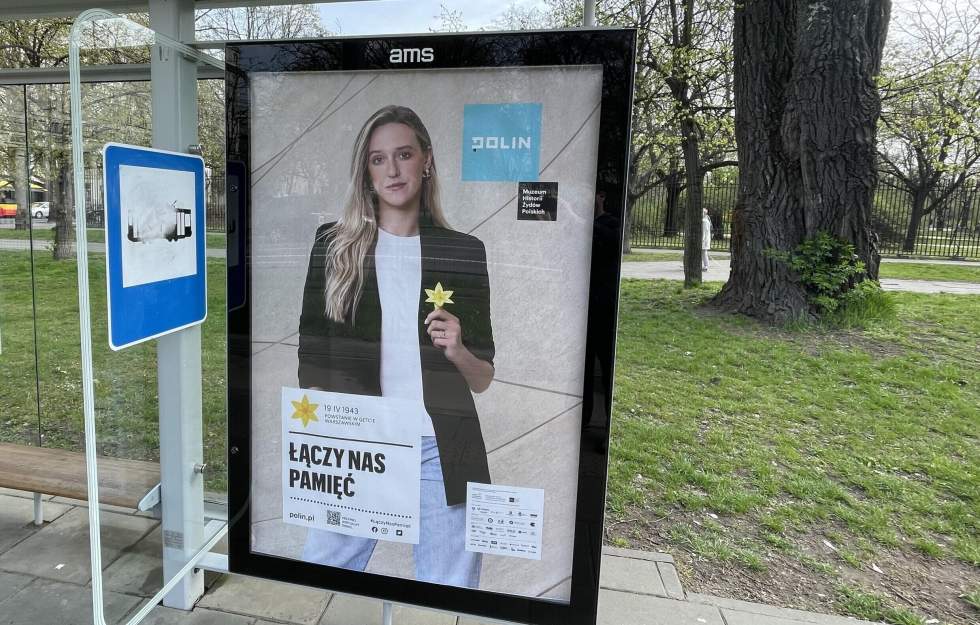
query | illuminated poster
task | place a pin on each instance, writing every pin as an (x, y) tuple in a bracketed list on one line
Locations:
[(430, 288)]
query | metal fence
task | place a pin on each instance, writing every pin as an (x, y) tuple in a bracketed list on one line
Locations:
[(214, 190), (950, 230), (658, 219)]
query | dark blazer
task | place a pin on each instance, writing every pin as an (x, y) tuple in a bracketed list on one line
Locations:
[(346, 357)]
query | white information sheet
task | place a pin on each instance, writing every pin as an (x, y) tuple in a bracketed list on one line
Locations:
[(504, 520), (351, 464), (157, 217)]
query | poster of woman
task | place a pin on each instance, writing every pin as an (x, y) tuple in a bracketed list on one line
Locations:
[(420, 271)]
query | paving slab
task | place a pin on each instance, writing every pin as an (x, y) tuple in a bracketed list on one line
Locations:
[(200, 616), (671, 580), (653, 556), (351, 610), (10, 583), (17, 519), (50, 603), (734, 617), (139, 569), (403, 615), (104, 507), (61, 552), (266, 599), (788, 615), (631, 575), (623, 608)]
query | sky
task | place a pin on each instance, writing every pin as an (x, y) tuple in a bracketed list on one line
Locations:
[(410, 16), (419, 16)]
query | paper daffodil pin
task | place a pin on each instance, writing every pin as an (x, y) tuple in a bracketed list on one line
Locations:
[(305, 411), (438, 297)]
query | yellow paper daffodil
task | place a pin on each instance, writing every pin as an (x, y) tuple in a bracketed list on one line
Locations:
[(305, 411), (438, 297)]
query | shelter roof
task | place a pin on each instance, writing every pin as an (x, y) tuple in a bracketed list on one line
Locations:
[(26, 9)]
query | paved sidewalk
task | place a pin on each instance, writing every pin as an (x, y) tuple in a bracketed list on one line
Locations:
[(44, 580), (719, 269)]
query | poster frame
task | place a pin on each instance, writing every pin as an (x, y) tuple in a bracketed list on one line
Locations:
[(614, 51)]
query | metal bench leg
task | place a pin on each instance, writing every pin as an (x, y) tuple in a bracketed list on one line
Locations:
[(38, 510)]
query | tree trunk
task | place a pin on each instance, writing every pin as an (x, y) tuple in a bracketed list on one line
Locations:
[(22, 189), (695, 193), (806, 107), (628, 225), (919, 197), (63, 209), (672, 188)]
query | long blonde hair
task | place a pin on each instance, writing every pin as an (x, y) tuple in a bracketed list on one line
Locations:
[(353, 236)]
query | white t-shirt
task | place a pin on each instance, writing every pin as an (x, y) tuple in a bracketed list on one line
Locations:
[(398, 263)]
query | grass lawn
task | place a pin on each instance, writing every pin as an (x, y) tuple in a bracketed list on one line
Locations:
[(837, 471), (791, 466), (126, 384), (928, 271), (95, 235), (639, 257)]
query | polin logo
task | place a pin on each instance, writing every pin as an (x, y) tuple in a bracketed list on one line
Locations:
[(501, 142), (412, 55)]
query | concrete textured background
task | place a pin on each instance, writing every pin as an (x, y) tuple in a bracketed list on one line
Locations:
[(302, 129)]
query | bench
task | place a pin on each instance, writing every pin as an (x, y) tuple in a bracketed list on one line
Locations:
[(42, 470)]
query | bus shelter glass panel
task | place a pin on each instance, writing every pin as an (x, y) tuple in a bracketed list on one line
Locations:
[(126, 383), (18, 371), (40, 292)]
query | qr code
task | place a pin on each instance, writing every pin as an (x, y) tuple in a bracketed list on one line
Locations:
[(333, 518)]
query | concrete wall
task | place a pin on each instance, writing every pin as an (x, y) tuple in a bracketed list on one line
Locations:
[(303, 129)]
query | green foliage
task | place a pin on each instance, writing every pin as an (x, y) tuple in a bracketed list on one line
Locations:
[(874, 608), (864, 303), (973, 598), (828, 268), (683, 74), (929, 131)]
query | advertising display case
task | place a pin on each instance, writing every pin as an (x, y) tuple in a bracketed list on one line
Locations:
[(426, 267)]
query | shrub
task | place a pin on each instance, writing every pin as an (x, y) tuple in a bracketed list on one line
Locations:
[(828, 268)]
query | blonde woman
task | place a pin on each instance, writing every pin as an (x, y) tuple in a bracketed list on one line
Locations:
[(366, 329)]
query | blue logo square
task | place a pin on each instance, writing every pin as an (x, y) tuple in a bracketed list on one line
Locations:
[(501, 142)]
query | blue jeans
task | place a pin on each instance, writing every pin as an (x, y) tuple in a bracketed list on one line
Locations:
[(440, 556)]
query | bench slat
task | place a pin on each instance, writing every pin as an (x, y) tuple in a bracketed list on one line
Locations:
[(62, 473)]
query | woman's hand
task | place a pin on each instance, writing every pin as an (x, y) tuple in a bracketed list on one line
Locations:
[(446, 333)]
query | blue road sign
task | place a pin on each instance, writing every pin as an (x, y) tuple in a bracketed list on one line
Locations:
[(156, 274)]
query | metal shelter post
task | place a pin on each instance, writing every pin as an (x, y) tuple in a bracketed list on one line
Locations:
[(589, 16), (174, 105)]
